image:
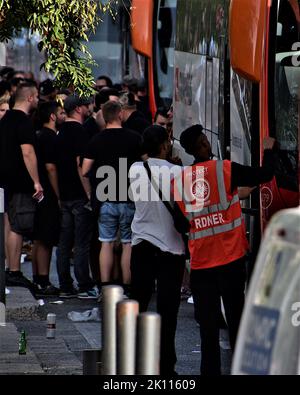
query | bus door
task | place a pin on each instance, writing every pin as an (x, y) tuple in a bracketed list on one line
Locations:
[(283, 105)]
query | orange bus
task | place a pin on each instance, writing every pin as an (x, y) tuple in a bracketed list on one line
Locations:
[(235, 69), (153, 35)]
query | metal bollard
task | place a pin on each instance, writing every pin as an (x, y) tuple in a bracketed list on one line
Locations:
[(127, 312), (148, 355), (2, 260), (112, 294)]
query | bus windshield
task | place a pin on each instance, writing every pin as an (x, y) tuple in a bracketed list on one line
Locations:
[(287, 93), (165, 42)]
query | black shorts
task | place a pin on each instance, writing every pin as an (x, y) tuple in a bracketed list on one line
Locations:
[(21, 213), (47, 222)]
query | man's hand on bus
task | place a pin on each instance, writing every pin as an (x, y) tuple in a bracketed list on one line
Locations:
[(269, 142)]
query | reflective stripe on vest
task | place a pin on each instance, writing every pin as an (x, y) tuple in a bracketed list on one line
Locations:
[(212, 209), (216, 230)]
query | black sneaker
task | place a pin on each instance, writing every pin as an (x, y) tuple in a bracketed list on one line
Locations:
[(16, 279), (48, 290), (68, 293)]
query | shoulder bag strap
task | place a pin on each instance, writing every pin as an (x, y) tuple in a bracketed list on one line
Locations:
[(158, 190)]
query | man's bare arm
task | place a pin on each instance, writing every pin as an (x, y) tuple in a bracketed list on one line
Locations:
[(53, 178), (30, 161), (84, 180)]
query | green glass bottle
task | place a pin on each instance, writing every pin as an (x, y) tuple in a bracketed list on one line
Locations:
[(22, 343)]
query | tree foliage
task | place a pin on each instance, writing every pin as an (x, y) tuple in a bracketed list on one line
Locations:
[(63, 26)]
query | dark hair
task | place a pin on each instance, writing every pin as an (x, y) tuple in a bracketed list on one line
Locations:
[(111, 111), (103, 96), (64, 92), (163, 111), (11, 74), (17, 81), (4, 87), (5, 71), (118, 87), (189, 137), (46, 109), (153, 137), (46, 87), (107, 80)]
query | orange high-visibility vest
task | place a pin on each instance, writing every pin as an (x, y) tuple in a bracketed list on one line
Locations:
[(217, 235)]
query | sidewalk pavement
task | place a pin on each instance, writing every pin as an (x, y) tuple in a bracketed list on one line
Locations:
[(61, 355), (20, 305)]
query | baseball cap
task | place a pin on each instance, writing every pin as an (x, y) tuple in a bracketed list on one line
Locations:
[(189, 137), (74, 101)]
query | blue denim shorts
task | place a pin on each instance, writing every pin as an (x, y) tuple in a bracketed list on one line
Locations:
[(114, 217)]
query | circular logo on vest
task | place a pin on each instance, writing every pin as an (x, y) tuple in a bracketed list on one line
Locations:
[(201, 190), (266, 197)]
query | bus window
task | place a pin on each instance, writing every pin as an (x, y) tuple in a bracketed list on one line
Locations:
[(200, 60), (287, 95), (164, 51)]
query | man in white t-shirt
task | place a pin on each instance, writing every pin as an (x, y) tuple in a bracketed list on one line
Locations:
[(157, 248)]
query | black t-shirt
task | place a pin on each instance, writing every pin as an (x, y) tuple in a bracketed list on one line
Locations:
[(143, 107), (136, 122), (46, 153), (15, 130), (91, 127), (71, 143), (106, 149)]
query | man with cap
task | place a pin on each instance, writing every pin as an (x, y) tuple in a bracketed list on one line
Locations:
[(74, 194), (207, 195)]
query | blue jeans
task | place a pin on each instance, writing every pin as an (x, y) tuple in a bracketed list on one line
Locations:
[(115, 216), (76, 229)]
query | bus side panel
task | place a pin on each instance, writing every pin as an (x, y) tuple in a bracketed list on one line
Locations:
[(142, 16), (142, 26)]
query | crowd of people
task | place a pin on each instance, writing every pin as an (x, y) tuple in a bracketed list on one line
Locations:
[(55, 149)]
